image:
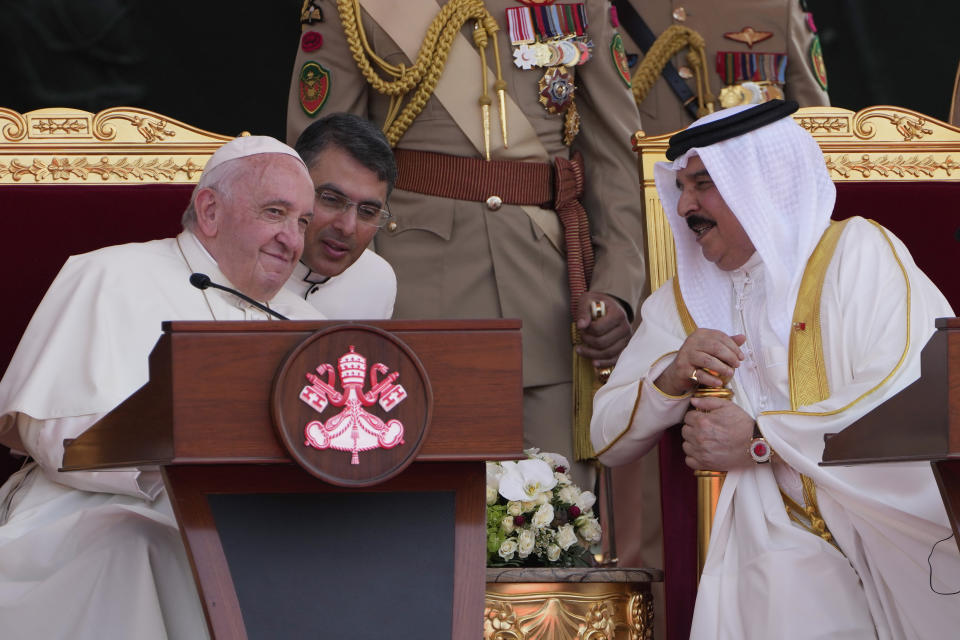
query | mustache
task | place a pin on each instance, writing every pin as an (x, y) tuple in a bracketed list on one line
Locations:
[(694, 221)]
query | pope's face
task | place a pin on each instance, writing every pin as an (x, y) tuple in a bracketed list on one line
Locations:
[(718, 232), (335, 239), (259, 226)]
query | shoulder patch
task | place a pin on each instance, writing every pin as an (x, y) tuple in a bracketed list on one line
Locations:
[(619, 55), (314, 87), (816, 59)]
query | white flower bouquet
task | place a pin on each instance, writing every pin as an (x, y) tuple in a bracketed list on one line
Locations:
[(536, 516)]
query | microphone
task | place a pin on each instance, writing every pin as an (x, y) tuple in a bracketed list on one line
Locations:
[(202, 281)]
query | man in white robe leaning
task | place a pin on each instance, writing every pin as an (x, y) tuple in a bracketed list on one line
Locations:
[(764, 275), (98, 555), (353, 171)]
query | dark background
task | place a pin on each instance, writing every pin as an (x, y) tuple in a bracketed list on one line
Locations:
[(226, 66)]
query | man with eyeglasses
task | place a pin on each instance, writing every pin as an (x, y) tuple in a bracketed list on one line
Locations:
[(353, 171)]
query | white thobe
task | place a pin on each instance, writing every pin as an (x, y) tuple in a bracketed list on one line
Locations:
[(766, 577), (98, 555), (366, 289)]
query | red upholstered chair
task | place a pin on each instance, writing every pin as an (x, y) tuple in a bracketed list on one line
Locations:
[(73, 181), (896, 166)]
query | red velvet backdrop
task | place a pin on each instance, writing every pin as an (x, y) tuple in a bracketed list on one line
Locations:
[(46, 224), (926, 216)]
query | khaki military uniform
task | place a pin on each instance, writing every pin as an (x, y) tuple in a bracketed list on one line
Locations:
[(464, 259), (785, 19)]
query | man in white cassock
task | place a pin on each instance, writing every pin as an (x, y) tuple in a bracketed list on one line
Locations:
[(98, 555), (353, 172), (765, 279)]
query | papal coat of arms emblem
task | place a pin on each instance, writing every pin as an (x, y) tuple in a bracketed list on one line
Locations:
[(354, 429)]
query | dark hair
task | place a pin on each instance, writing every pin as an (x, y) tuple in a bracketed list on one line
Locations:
[(357, 136)]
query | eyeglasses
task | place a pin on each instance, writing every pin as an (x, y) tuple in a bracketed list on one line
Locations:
[(366, 213)]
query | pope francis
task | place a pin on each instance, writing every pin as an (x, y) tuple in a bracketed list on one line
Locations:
[(98, 554)]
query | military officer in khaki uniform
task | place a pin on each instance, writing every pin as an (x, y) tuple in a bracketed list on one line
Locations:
[(754, 39), (473, 238)]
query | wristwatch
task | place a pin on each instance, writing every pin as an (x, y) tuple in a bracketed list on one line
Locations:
[(760, 449)]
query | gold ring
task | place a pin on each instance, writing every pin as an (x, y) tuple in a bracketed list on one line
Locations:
[(598, 309), (604, 374), (693, 376)]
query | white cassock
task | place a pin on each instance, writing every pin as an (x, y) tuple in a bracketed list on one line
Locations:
[(766, 577), (366, 289), (98, 555)]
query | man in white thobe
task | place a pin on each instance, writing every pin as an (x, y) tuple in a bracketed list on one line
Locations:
[(98, 555), (353, 171), (797, 550)]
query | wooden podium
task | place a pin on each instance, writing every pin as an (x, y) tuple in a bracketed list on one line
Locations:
[(922, 422), (277, 552)]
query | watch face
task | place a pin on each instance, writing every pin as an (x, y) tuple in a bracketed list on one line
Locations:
[(760, 450)]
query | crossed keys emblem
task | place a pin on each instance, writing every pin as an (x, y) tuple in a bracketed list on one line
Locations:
[(354, 429)]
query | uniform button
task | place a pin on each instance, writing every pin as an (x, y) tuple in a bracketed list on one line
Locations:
[(680, 14), (392, 226), (494, 203)]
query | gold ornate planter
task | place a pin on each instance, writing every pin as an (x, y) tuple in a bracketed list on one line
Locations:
[(569, 604)]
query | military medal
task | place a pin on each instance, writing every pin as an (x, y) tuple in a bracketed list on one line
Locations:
[(751, 78), (549, 35), (571, 123), (556, 89)]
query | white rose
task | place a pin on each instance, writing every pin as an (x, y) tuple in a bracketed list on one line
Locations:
[(514, 508), (507, 549), (586, 500), (544, 516), (507, 524), (553, 553), (563, 479), (569, 494), (525, 543), (566, 537), (492, 495), (528, 505), (589, 529), (542, 498)]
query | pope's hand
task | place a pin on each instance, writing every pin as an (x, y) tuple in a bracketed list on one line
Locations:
[(605, 337), (716, 435), (710, 354)]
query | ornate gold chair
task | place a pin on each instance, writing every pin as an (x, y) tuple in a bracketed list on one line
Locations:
[(896, 166), (73, 181)]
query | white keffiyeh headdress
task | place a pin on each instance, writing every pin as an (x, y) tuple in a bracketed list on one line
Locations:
[(775, 181)]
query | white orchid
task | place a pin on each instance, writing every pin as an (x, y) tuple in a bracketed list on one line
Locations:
[(523, 480)]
